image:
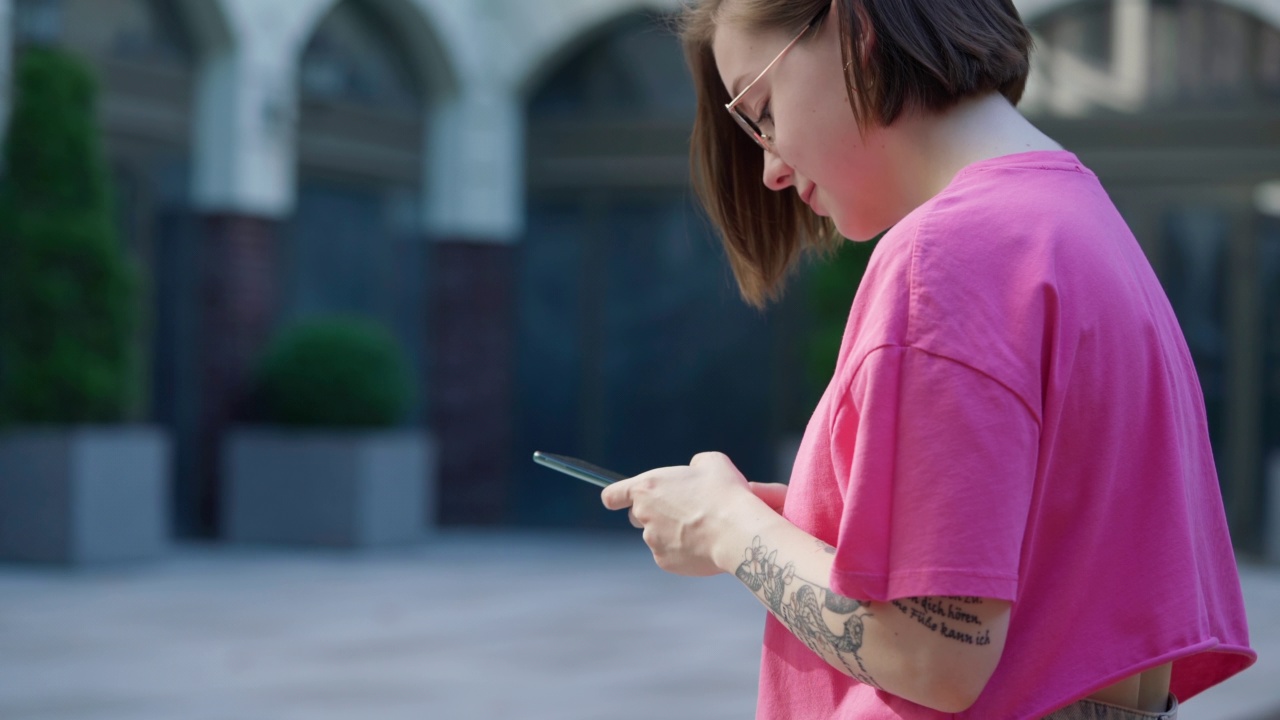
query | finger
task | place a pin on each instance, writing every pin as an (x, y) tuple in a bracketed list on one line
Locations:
[(622, 494), (635, 523), (707, 457), (617, 496), (773, 494)]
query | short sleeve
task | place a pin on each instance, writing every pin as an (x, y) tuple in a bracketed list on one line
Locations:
[(937, 465)]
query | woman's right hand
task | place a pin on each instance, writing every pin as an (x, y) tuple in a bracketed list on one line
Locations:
[(773, 494)]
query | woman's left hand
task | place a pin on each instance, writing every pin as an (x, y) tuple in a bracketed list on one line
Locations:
[(687, 512)]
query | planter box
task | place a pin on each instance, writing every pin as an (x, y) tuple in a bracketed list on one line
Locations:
[(84, 494), (328, 488)]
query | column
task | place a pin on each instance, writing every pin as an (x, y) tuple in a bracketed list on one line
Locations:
[(244, 188), (474, 201), (238, 304)]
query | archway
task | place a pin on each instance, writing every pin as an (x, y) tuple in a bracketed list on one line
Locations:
[(354, 245), (148, 55), (634, 350)]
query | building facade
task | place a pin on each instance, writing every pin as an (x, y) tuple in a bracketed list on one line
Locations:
[(503, 183)]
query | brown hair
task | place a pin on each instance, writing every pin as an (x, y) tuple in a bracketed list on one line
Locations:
[(921, 55)]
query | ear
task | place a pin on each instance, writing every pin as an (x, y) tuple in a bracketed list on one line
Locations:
[(853, 18), (857, 44), (867, 29)]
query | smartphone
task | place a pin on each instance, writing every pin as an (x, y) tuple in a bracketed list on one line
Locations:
[(580, 469)]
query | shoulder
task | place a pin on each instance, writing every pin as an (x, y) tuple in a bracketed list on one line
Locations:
[(997, 216), (1009, 219), (976, 274), (1007, 232)]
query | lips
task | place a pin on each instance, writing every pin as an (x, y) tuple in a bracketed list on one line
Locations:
[(807, 196)]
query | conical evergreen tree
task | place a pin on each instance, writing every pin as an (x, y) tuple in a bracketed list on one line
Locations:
[(67, 307)]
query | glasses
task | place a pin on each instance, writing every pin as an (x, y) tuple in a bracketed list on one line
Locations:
[(752, 127)]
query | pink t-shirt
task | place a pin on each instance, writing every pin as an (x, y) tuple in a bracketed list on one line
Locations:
[(1014, 414)]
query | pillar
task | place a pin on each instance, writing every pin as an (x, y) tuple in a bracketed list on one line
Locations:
[(244, 188), (238, 306), (474, 200)]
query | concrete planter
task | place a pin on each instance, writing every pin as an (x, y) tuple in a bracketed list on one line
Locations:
[(328, 488), (83, 495)]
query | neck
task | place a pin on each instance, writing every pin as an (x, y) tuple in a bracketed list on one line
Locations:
[(931, 149)]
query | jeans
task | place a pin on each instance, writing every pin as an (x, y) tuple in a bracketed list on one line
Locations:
[(1094, 710)]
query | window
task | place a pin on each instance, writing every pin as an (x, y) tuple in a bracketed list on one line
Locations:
[(350, 61), (1130, 55)]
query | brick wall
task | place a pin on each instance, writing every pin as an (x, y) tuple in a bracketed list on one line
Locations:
[(471, 383), (238, 304)]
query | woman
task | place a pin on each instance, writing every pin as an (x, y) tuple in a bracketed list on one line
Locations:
[(1005, 504)]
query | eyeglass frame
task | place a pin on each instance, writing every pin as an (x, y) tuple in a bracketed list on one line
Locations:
[(751, 127)]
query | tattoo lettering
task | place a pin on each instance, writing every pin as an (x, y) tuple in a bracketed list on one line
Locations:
[(803, 613), (934, 614)]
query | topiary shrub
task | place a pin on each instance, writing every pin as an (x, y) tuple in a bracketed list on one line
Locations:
[(335, 372), (832, 286), (67, 290)]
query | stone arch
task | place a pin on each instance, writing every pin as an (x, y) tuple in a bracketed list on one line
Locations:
[(540, 41), (1133, 72), (157, 61), (1266, 10), (417, 36), (614, 250), (208, 25), (368, 74)]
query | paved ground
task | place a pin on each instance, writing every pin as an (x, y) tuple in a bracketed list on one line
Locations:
[(471, 626), (1255, 693)]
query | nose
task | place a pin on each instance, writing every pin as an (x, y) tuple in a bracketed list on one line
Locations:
[(777, 174)]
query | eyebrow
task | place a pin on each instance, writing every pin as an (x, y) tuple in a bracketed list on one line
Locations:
[(736, 86)]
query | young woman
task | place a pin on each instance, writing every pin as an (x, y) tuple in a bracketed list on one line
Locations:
[(1005, 505)]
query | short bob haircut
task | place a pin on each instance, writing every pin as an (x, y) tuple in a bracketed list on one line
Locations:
[(922, 56)]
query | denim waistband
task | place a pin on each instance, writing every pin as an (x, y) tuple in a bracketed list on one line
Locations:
[(1095, 710)]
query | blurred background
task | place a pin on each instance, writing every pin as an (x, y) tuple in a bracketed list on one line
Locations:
[(465, 228), (503, 188)]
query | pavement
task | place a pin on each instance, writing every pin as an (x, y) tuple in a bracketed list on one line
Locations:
[(470, 626)]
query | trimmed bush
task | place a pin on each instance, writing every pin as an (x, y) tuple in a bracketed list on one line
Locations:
[(67, 292), (831, 289), (335, 372)]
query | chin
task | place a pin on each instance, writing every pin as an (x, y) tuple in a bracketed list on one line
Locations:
[(865, 221), (857, 231)]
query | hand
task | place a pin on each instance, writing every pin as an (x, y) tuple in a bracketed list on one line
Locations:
[(773, 494), (687, 510)]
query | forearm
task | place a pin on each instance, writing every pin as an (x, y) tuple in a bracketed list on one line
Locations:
[(938, 652)]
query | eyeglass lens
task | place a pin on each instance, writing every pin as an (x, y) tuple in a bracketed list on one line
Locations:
[(750, 127)]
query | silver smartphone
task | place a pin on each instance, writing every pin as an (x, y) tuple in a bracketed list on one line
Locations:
[(580, 469)]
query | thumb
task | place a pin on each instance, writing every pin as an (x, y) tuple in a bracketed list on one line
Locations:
[(617, 496)]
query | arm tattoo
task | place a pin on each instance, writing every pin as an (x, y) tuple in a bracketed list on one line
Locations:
[(950, 617), (795, 602)]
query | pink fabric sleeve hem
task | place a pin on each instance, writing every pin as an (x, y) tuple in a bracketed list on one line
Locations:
[(918, 583)]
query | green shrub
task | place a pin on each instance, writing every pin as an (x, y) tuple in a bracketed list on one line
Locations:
[(335, 372), (832, 286), (67, 292)]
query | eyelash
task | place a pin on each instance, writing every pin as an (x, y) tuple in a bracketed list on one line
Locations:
[(764, 113)]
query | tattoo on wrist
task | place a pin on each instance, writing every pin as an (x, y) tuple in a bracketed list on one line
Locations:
[(950, 617), (795, 603)]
